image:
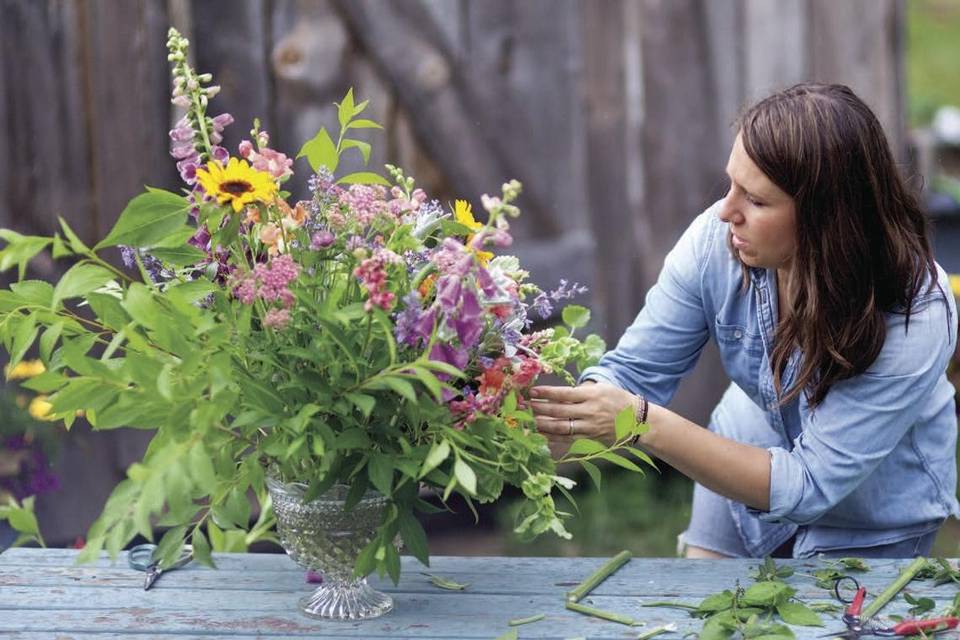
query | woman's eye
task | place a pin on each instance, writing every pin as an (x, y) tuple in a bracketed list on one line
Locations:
[(754, 201)]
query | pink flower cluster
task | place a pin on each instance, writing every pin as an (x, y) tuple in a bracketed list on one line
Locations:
[(373, 275), (496, 381), (269, 282), (277, 318), (366, 202), (273, 162), (401, 206)]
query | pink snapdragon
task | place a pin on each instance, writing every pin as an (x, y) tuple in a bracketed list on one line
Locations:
[(373, 275), (267, 160)]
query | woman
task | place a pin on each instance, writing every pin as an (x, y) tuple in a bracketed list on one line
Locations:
[(815, 277)]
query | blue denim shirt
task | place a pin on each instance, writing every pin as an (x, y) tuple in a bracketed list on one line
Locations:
[(875, 463)]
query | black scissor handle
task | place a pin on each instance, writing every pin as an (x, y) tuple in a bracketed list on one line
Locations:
[(841, 580)]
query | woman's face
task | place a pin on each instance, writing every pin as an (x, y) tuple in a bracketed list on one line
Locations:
[(761, 216)]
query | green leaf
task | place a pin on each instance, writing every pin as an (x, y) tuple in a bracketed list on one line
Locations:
[(363, 402), (75, 242), (799, 614), (20, 250), (465, 476), (320, 151), (414, 537), (430, 382), (585, 446), (49, 339), (170, 546), (201, 549), (345, 109), (717, 602), (60, 249), (625, 422), (592, 471), (438, 453), (363, 123), (201, 467), (380, 471), (576, 316), (364, 148), (178, 256), (80, 280), (23, 338), (620, 461), (36, 292), (767, 594), (402, 387), (364, 177), (147, 220)]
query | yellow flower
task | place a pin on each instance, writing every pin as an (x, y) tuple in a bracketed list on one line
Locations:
[(39, 408), (955, 284), (25, 369), (463, 213), (237, 183)]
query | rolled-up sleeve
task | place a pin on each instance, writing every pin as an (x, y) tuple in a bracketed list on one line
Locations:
[(862, 419), (663, 343)]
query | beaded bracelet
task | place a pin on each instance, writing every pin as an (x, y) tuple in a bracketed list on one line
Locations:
[(641, 415)]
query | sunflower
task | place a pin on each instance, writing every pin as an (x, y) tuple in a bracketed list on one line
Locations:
[(237, 183), (463, 213)]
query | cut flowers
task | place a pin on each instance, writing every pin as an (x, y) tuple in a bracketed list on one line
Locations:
[(365, 336)]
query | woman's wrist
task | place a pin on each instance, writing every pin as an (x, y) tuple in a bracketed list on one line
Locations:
[(641, 408)]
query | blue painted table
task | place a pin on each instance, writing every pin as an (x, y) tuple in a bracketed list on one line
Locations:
[(43, 595)]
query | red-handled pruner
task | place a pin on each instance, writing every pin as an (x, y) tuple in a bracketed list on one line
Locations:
[(857, 628)]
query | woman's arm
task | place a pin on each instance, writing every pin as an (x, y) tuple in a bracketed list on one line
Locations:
[(739, 471)]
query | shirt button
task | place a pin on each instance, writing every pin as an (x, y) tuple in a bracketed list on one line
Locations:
[(738, 334)]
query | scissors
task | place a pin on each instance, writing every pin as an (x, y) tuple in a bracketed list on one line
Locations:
[(141, 558), (856, 626)]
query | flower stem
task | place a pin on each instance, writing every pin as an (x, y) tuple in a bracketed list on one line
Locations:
[(516, 622), (598, 576), (599, 613), (902, 580)]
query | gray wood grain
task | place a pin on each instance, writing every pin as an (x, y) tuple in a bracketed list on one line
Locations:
[(255, 595)]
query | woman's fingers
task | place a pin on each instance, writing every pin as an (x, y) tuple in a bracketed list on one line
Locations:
[(563, 394), (561, 427), (556, 409)]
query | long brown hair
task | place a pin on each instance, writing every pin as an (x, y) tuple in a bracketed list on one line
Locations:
[(863, 245)]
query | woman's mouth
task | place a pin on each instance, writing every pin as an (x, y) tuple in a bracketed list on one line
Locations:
[(738, 242)]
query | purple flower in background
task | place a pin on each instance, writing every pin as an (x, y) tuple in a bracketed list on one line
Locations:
[(321, 240), (414, 324), (469, 322), (566, 290), (448, 293), (126, 254), (542, 305), (220, 154)]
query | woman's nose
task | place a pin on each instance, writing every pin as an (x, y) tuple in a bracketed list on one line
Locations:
[(728, 209)]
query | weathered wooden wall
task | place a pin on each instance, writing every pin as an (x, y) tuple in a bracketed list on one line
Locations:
[(615, 114)]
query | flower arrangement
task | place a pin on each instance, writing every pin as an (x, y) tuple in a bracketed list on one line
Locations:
[(365, 336)]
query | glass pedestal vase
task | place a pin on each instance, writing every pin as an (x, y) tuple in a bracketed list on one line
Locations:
[(321, 536)]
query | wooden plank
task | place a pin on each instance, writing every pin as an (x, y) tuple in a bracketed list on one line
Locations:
[(777, 45), (615, 220), (231, 40), (44, 119), (125, 45), (860, 43), (683, 158), (502, 589), (450, 111)]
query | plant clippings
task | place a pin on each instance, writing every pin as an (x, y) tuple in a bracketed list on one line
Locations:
[(604, 615), (445, 583), (516, 622), (598, 576)]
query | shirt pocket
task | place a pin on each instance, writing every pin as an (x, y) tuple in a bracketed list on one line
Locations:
[(741, 352)]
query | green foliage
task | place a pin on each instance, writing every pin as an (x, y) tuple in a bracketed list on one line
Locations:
[(933, 48), (325, 396)]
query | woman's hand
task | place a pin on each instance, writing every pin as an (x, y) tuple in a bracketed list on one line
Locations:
[(564, 414)]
